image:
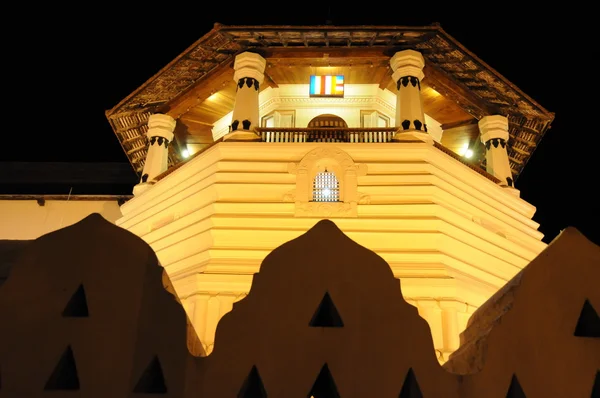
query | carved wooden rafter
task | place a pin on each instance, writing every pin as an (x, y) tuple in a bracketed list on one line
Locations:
[(282, 39), (524, 142), (258, 37), (514, 160)]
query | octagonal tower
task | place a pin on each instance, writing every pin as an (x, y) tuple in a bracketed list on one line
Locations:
[(370, 136)]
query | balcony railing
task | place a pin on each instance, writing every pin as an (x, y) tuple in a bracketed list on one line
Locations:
[(327, 134), (360, 135), (334, 134)]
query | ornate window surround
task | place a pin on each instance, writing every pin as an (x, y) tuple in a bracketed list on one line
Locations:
[(334, 160)]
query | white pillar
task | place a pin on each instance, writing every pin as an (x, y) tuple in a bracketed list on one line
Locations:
[(408, 73), (429, 309), (249, 75), (494, 134), (451, 334), (160, 133)]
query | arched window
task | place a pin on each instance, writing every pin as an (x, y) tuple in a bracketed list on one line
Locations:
[(326, 187), (326, 184), (324, 128), (327, 120)]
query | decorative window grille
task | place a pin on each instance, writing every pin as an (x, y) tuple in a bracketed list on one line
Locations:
[(326, 187)]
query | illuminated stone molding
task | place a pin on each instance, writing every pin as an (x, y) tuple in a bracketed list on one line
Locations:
[(318, 160), (434, 220), (160, 134), (249, 75)]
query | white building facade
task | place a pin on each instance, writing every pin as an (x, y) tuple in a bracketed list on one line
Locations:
[(452, 234)]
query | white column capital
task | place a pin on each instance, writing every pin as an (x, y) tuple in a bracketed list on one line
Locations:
[(161, 125), (407, 63), (249, 64), (494, 126)]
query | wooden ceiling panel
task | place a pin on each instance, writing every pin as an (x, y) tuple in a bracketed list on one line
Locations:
[(354, 74), (287, 74), (195, 130), (458, 137), (215, 106), (440, 108)]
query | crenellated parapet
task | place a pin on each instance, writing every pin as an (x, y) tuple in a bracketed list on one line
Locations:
[(324, 317), (541, 331), (84, 312)]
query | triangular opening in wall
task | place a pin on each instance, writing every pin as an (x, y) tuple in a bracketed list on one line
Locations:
[(326, 315), (515, 390), (152, 380), (253, 386), (64, 376), (596, 386), (77, 305), (588, 324), (410, 388), (324, 386)]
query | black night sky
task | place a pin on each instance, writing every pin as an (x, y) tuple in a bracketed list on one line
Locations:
[(64, 66)]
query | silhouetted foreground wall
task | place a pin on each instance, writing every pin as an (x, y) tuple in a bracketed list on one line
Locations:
[(83, 309), (9, 250), (84, 313), (542, 329)]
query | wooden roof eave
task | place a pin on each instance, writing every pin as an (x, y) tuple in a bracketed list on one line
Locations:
[(311, 28), (196, 92), (158, 74), (548, 114), (218, 28), (473, 103), (456, 92)]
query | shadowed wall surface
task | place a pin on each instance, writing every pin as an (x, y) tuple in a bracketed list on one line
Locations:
[(85, 313), (9, 251), (541, 331), (84, 310)]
